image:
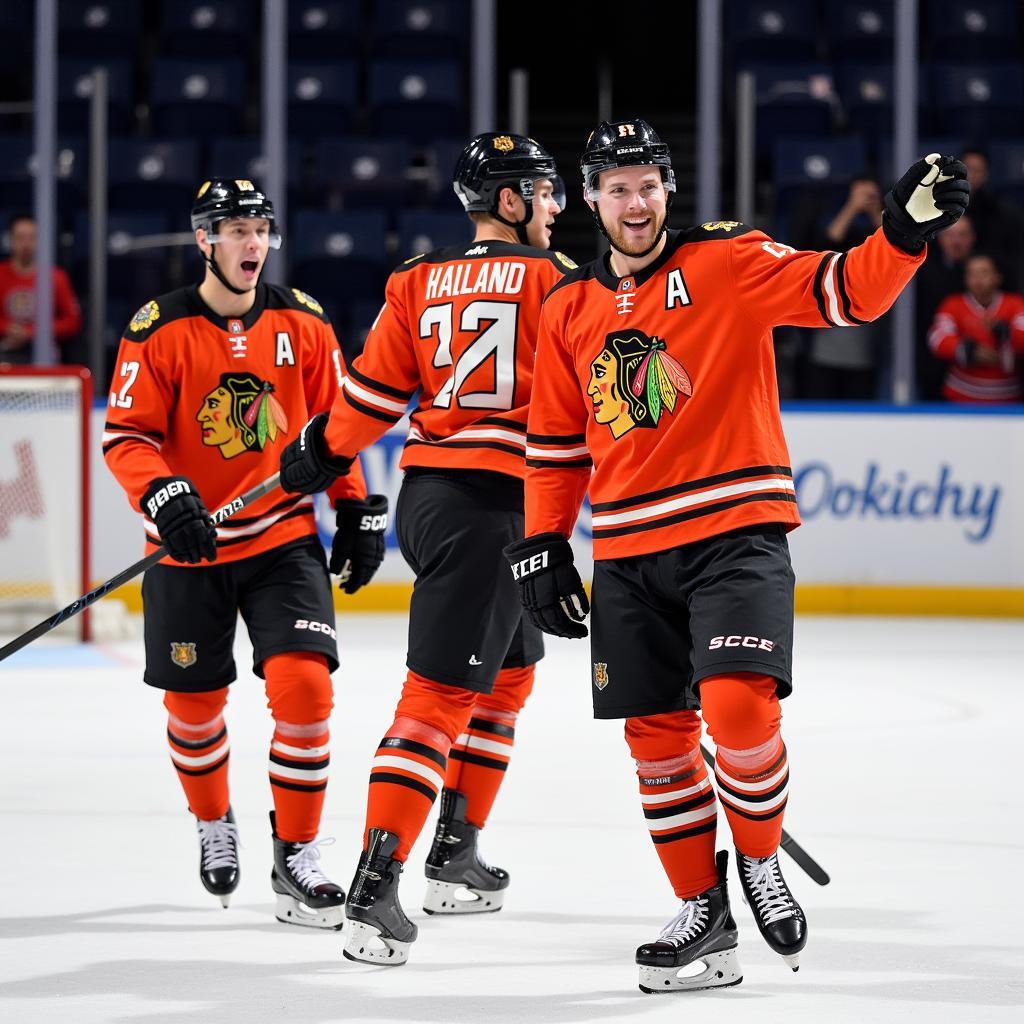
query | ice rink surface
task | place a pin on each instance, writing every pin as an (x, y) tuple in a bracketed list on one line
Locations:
[(903, 739)]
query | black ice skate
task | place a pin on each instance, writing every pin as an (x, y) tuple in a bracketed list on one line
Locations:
[(305, 895), (218, 856), (778, 916), (703, 933), (459, 882), (379, 931)]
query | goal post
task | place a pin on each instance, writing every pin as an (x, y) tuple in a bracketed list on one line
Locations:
[(44, 494)]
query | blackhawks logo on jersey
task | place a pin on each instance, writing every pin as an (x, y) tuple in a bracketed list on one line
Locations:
[(634, 382), (145, 317), (720, 225), (564, 260), (241, 415)]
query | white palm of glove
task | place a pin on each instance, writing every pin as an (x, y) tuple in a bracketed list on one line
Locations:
[(921, 205)]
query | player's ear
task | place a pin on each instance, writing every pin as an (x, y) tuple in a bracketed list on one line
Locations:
[(507, 200), (201, 241)]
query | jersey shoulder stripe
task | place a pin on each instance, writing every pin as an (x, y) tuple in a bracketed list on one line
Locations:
[(712, 230), (283, 297), (585, 272), (151, 316)]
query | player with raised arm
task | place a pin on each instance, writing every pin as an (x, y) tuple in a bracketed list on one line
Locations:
[(458, 325), (655, 362), (210, 383)]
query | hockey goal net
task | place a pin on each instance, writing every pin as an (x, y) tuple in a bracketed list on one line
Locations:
[(44, 495)]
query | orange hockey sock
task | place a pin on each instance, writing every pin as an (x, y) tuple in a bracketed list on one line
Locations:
[(299, 695), (198, 740), (751, 768), (409, 767), (677, 798), (480, 756)]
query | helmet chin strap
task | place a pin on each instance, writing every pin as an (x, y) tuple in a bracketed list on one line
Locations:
[(519, 225), (211, 262), (634, 255)]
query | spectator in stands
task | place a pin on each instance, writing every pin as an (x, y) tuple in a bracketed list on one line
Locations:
[(18, 296), (980, 334), (998, 223), (844, 365), (942, 275)]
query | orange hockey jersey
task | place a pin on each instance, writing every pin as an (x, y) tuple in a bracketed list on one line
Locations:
[(961, 317), (459, 325), (215, 400), (666, 381)]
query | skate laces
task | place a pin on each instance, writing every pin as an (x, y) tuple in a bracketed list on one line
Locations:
[(764, 879), (303, 863), (219, 840), (689, 922)]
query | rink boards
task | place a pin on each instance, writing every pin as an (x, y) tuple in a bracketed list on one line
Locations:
[(905, 511)]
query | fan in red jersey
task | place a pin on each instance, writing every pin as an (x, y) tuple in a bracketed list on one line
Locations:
[(459, 327), (210, 383), (655, 390)]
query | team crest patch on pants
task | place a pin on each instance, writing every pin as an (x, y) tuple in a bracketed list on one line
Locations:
[(600, 674), (183, 655)]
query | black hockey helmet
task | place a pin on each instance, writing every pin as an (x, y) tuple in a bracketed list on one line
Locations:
[(227, 198), (624, 144), (492, 161)]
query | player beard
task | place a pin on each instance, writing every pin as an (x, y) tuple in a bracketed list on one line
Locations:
[(631, 244)]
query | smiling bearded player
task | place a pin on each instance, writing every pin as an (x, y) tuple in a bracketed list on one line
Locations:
[(210, 384), (655, 372)]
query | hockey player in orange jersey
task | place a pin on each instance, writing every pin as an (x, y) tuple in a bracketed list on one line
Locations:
[(459, 325), (655, 389), (210, 383)]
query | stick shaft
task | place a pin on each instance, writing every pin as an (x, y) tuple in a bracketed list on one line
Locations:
[(41, 628)]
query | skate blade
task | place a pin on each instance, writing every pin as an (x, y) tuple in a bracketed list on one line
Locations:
[(365, 944), (721, 970), (456, 898), (792, 961), (291, 911), (225, 900)]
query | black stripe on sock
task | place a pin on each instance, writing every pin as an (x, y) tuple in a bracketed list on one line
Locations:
[(402, 780), (312, 787), (667, 810), (400, 743), (302, 765), (209, 741), (494, 728), (687, 833), (204, 771), (478, 759), (755, 817)]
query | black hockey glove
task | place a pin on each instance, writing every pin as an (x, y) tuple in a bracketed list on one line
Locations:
[(549, 585), (181, 519), (358, 547), (932, 195), (306, 466)]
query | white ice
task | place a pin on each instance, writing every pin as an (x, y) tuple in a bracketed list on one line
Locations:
[(903, 738)]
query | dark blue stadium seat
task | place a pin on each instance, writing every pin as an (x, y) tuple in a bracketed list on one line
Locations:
[(792, 97), (980, 30), (361, 314), (131, 273), (362, 173), (772, 30), (825, 166), (318, 31), (98, 28), (193, 97), (1006, 169), (74, 90), (322, 98), (339, 257), (416, 100), (422, 230), (206, 28), (977, 100), (16, 171), (866, 94), (149, 175), (860, 29), (421, 28), (242, 158), (441, 159)]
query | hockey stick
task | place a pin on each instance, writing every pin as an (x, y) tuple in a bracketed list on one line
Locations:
[(218, 517), (789, 844)]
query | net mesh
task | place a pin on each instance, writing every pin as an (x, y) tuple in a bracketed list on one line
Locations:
[(41, 481)]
